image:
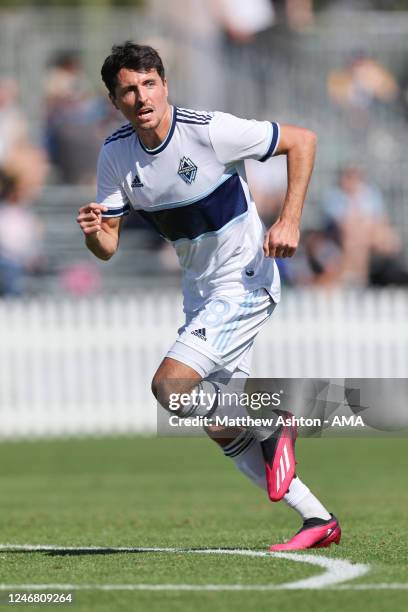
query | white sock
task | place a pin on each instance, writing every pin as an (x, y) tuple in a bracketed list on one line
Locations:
[(246, 453), (300, 498)]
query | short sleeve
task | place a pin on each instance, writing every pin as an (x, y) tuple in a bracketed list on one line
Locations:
[(109, 190), (235, 139)]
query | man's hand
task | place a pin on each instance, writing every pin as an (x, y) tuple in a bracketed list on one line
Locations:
[(101, 233), (299, 146), (90, 218), (282, 239)]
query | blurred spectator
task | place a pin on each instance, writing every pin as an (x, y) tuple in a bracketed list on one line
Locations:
[(299, 14), (318, 261), (20, 238), (242, 20), (77, 120), (403, 79), (81, 279), (12, 124), (237, 44), (252, 39), (67, 85), (356, 219), (18, 155), (360, 84)]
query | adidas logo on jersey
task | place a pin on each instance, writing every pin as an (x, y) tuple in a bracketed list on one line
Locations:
[(187, 170), (136, 182), (200, 333)]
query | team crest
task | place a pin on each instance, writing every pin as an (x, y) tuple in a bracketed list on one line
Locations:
[(187, 170)]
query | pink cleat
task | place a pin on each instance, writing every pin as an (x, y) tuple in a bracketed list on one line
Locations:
[(315, 533), (279, 455)]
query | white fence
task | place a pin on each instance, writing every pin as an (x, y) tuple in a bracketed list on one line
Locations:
[(85, 367)]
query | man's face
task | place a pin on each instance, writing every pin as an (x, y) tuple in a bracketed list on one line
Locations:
[(141, 97), (351, 180)]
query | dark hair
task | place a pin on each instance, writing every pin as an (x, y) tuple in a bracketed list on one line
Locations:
[(140, 58), (65, 57)]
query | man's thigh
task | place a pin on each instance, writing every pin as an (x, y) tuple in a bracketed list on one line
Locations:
[(222, 333)]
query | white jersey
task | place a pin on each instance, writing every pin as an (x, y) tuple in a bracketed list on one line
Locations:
[(193, 190)]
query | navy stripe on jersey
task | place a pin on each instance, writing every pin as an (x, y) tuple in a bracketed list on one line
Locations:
[(274, 142), (193, 114), (120, 136), (194, 111), (193, 122), (124, 128), (192, 117), (121, 131), (117, 212), (210, 214)]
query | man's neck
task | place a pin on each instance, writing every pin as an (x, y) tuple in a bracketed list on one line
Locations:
[(152, 139)]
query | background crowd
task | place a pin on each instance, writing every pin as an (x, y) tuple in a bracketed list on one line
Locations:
[(261, 67)]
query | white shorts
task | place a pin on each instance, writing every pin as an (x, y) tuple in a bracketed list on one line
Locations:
[(221, 335)]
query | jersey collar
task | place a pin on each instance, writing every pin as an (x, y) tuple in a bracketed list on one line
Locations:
[(166, 141)]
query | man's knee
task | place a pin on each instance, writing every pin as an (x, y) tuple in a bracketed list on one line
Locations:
[(163, 389), (172, 379), (155, 385)]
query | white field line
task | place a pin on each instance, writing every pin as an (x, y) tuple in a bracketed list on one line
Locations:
[(192, 587), (337, 570), (380, 586)]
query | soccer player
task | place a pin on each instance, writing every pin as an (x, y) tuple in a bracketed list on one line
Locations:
[(183, 171)]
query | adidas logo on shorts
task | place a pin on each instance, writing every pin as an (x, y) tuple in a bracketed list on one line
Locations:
[(136, 182), (200, 333)]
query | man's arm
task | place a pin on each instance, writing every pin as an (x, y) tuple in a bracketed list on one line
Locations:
[(101, 234), (299, 145)]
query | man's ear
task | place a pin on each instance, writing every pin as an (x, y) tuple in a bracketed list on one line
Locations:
[(112, 99)]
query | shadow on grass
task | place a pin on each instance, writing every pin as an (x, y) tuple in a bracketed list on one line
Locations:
[(74, 552)]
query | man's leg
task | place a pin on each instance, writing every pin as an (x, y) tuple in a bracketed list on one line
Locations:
[(246, 452), (319, 528), (247, 455), (173, 376)]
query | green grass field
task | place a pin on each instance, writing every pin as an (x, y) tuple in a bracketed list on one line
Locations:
[(150, 492)]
